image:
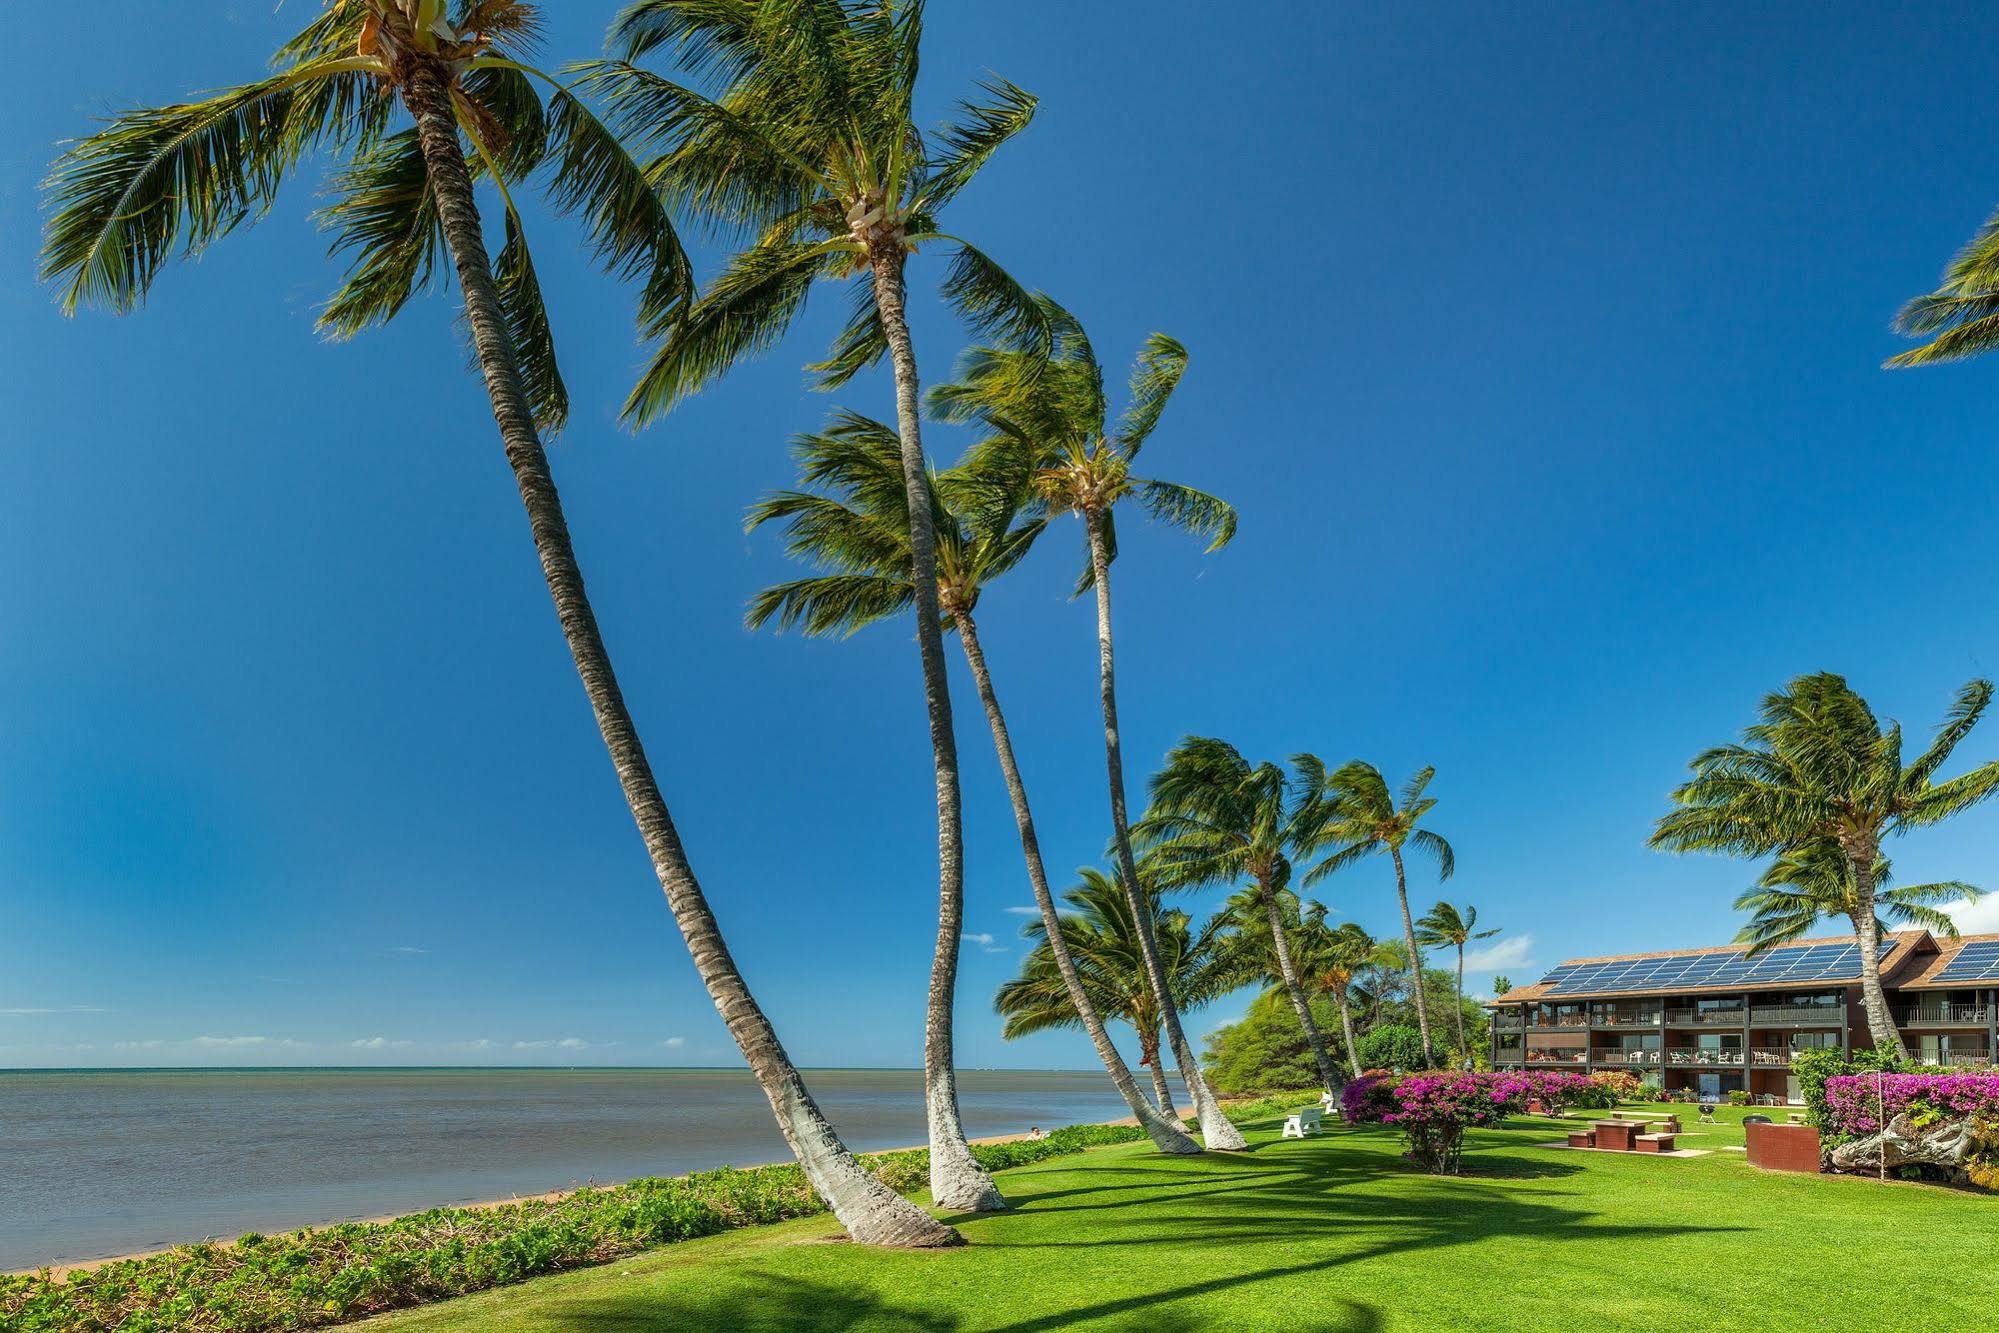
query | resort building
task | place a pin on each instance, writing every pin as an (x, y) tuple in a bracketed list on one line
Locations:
[(1718, 1021)]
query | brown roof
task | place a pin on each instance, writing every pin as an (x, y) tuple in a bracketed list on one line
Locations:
[(1912, 940), (1925, 977)]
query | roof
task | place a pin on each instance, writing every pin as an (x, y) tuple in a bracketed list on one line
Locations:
[(1917, 960), (1925, 977)]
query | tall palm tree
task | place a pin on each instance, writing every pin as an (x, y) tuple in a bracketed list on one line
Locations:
[(1104, 941), (169, 180), (1815, 883), (1049, 417), (1819, 768), (801, 142), (1446, 926), (1335, 961), (853, 525), (1961, 317), (1215, 818), (1359, 817)]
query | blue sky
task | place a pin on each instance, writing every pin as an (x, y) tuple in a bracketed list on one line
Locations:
[(1539, 352)]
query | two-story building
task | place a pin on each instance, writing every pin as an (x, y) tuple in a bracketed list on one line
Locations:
[(1718, 1020)]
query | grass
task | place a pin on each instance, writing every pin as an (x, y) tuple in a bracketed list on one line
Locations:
[(1333, 1233)]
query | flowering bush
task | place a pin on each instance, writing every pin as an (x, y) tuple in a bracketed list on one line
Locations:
[(1433, 1110), (1620, 1086), (1861, 1103)]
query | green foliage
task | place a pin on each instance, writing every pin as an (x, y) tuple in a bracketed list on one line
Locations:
[(1738, 1098), (1392, 1046), (1267, 1049), (1813, 1068)]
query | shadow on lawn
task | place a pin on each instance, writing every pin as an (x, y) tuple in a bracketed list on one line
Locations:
[(774, 1303)]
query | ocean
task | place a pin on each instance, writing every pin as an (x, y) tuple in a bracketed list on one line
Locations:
[(102, 1163)]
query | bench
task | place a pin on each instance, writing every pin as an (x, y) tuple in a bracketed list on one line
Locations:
[(1582, 1138), (1653, 1143), (1299, 1124)]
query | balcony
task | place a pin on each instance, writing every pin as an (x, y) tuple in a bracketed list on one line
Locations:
[(1571, 1057), (1976, 1056), (1628, 1019), (1509, 1020), (1561, 1020), (1700, 1056), (1696, 1018), (1620, 1058), (1509, 1060), (1943, 1015), (1796, 1015), (1770, 1057)]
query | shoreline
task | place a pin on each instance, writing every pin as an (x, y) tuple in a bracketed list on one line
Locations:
[(59, 1272)]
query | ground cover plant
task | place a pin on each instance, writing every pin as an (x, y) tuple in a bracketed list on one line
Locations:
[(309, 1279), (1335, 1233)]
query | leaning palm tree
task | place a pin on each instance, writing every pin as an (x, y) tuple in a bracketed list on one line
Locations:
[(1359, 817), (1446, 926), (1818, 769), (165, 181), (801, 143), (1103, 941), (1215, 818), (852, 524), (1961, 317), (1050, 422), (1815, 883), (1336, 962)]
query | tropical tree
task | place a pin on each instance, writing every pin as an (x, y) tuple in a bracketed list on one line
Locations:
[(851, 522), (1359, 817), (801, 143), (1215, 818), (1049, 416), (1107, 947), (164, 181), (1450, 927), (1818, 768), (1815, 883), (1961, 317), (1501, 985), (1334, 961)]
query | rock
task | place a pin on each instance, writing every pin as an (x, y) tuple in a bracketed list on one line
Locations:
[(1941, 1145)]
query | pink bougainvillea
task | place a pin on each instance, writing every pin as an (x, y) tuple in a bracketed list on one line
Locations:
[(1433, 1110), (1862, 1103)]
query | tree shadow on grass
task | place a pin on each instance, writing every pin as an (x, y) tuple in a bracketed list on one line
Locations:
[(774, 1303)]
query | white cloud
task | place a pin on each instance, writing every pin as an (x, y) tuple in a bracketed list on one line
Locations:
[(565, 1043), (577, 1043), (1516, 951), (997, 948), (407, 949), (1979, 918), (981, 937), (230, 1041), (379, 1044), (63, 1009), (674, 1043), (1025, 911), (152, 1045), (483, 1044)]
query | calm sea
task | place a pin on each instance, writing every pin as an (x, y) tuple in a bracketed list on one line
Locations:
[(94, 1164)]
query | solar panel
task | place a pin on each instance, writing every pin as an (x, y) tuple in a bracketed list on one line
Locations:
[(1976, 961), (1801, 964)]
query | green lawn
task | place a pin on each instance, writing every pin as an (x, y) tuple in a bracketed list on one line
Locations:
[(1334, 1233)]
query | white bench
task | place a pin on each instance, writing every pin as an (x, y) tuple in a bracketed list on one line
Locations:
[(1301, 1123)]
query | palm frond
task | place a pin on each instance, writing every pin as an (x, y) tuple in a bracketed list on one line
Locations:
[(970, 141), (1161, 366), (385, 218), (1195, 511)]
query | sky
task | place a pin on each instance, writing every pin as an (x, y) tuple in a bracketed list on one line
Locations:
[(1539, 350)]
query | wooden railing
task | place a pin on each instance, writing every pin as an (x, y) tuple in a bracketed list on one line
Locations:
[(1571, 1057), (1561, 1020), (1938, 1015), (1722, 1018), (1628, 1019), (1824, 1015), (1698, 1056), (1603, 1057)]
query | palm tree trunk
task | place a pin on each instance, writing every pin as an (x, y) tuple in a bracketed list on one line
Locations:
[(1867, 930), (1217, 1130), (1464, 1049), (1164, 1131), (956, 1180), (1346, 1029), (1148, 1051), (872, 1213), (1415, 955), (1289, 972)]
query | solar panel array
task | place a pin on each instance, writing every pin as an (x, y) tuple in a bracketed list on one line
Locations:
[(1803, 964), (1976, 961)]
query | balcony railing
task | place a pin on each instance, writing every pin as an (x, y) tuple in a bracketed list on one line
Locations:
[(1510, 1060), (1821, 1015), (1959, 1055), (1942, 1015), (1628, 1019), (1721, 1018), (1506, 1020), (1698, 1056), (1574, 1057), (1603, 1057), (1561, 1020), (1768, 1056)]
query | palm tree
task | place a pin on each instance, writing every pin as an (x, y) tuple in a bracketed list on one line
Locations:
[(1820, 769), (1106, 945), (1360, 818), (1961, 317), (1815, 883), (1334, 962), (1216, 819), (854, 527), (1446, 925), (1049, 416), (161, 181), (803, 145)]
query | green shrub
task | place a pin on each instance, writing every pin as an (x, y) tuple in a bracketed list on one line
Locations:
[(1392, 1046), (1738, 1098)]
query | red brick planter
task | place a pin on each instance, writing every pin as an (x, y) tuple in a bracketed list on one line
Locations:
[(1783, 1147)]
